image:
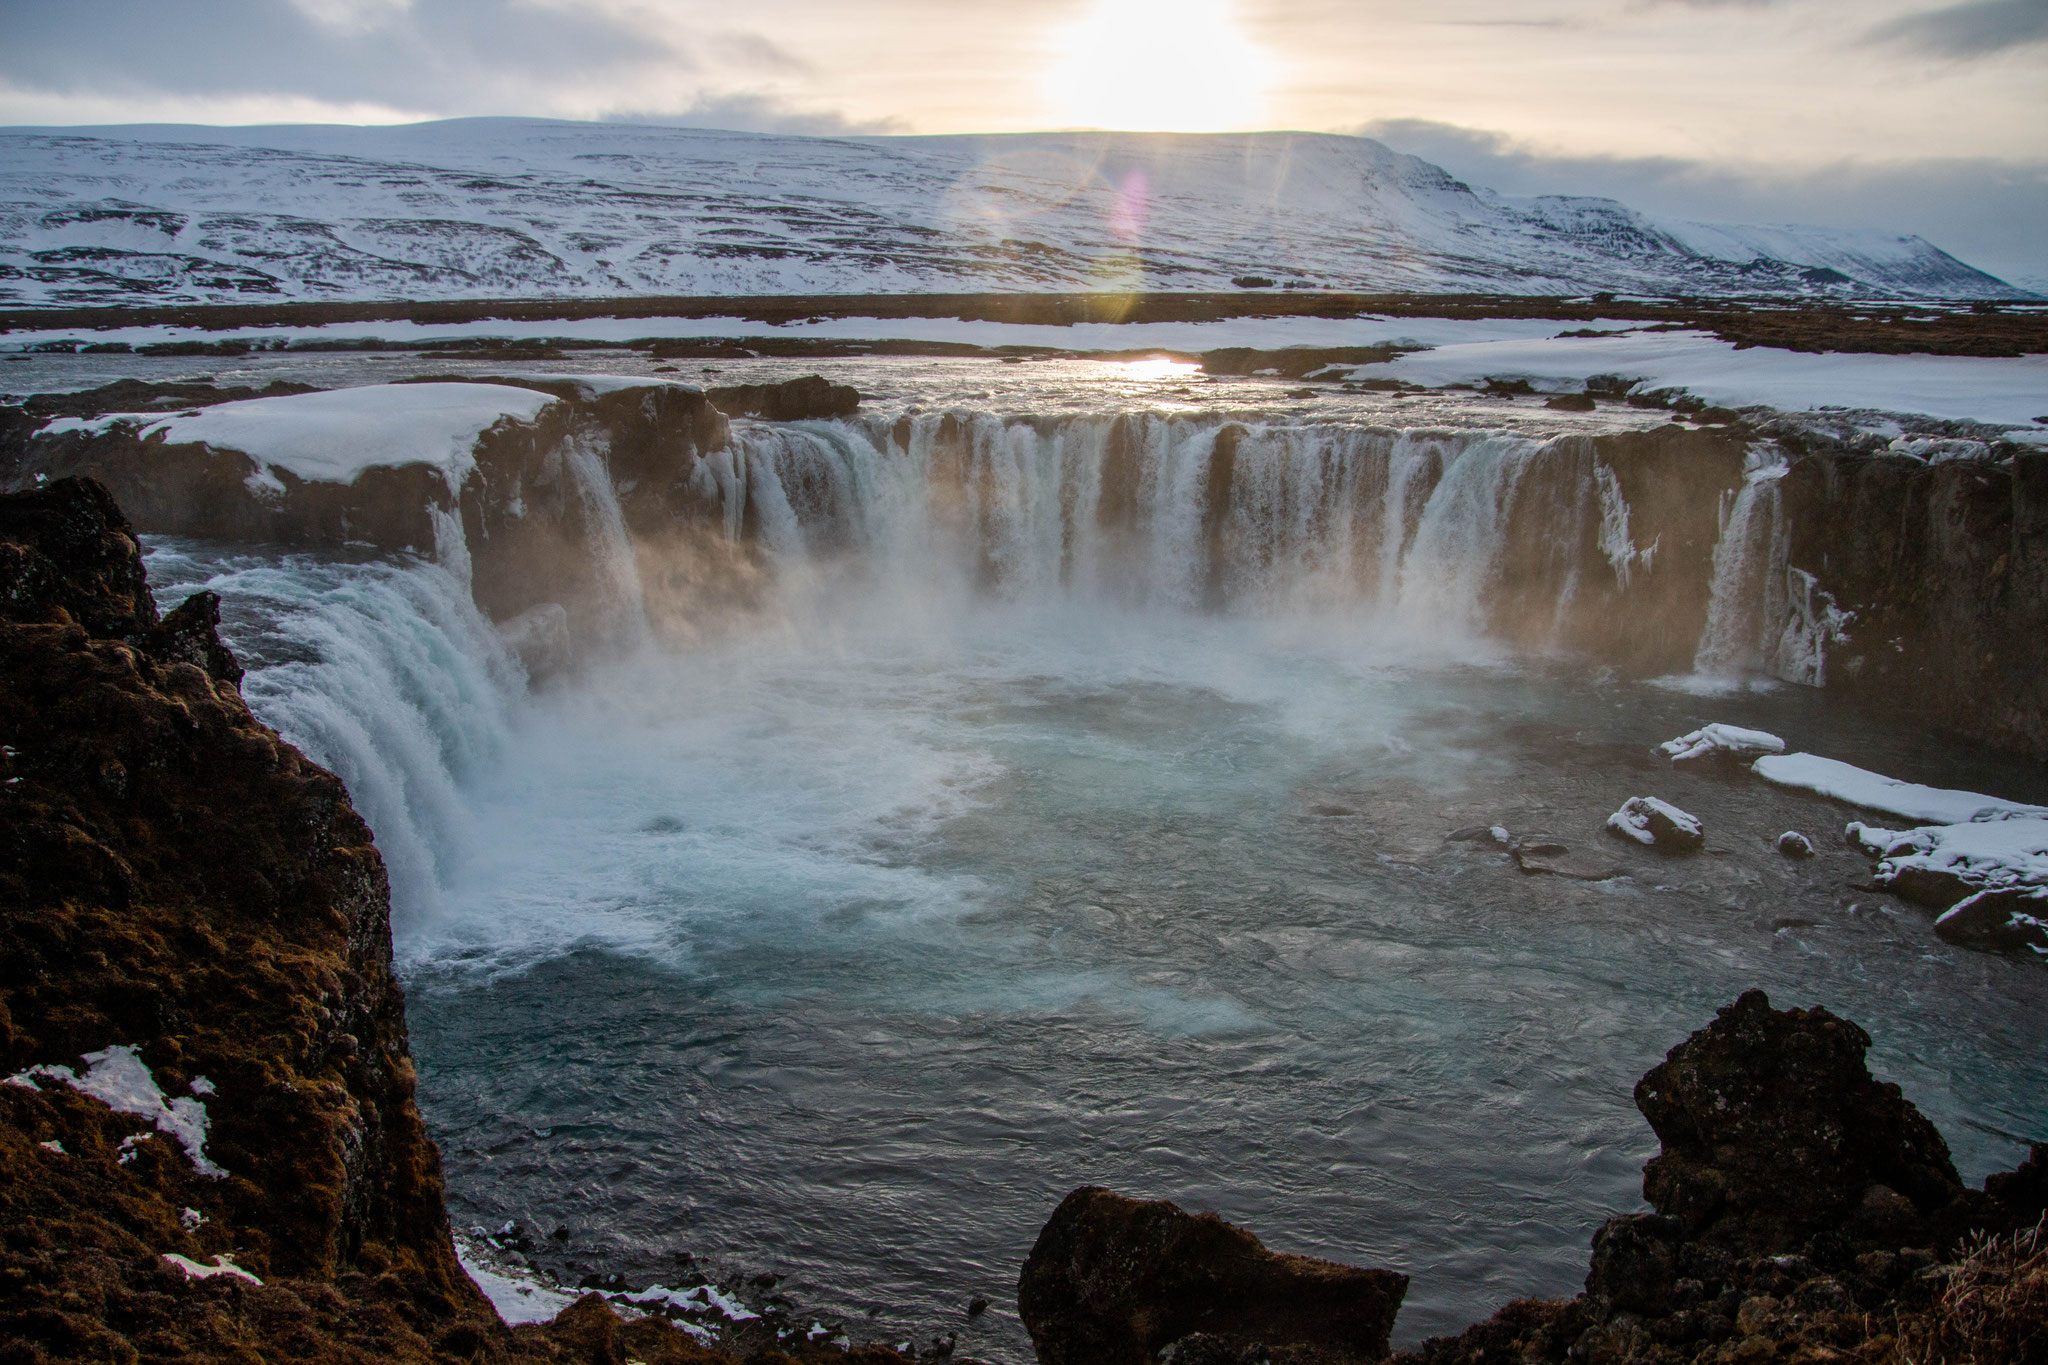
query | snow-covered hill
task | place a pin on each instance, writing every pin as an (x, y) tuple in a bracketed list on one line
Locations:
[(502, 208)]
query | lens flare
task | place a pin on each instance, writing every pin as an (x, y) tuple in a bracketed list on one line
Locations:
[(1160, 66)]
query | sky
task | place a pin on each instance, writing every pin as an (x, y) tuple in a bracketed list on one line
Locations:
[(1913, 115)]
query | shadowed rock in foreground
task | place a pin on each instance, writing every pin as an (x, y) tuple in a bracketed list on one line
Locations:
[(1113, 1281)]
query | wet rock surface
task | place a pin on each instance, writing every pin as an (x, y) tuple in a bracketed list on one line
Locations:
[(209, 1147), (1774, 1130), (1115, 1281)]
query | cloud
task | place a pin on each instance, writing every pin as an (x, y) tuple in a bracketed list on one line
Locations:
[(1985, 211), (454, 56), (1979, 28), (752, 112)]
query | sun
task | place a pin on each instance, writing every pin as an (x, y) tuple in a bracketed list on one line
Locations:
[(1159, 65)]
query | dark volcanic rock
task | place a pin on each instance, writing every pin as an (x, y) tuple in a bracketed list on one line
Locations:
[(792, 400), (181, 881), (1112, 1281), (1773, 1131), (66, 547)]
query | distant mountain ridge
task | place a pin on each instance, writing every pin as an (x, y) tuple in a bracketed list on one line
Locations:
[(505, 208)]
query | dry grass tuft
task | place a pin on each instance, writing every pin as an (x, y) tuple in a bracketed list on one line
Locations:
[(1993, 1310)]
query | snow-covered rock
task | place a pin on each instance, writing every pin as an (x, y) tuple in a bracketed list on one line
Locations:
[(1658, 824), (332, 437), (1941, 864), (1998, 919), (1718, 741), (1873, 791), (1793, 844), (496, 208), (519, 1298)]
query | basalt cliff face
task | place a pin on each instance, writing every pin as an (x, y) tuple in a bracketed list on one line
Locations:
[(209, 1148), (1941, 573)]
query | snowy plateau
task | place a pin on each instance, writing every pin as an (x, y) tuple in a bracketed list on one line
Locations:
[(518, 208)]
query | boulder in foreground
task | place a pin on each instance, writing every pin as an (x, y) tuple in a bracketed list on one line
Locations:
[(1114, 1281), (1774, 1130)]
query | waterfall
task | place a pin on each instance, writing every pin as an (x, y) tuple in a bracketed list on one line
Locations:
[(382, 671), (1462, 531), (1144, 511), (1747, 603), (618, 570)]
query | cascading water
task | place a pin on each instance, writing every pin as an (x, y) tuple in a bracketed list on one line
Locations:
[(611, 548), (384, 672), (1746, 610), (1144, 511)]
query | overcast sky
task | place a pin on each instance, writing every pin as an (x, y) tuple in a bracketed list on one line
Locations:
[(1909, 114)]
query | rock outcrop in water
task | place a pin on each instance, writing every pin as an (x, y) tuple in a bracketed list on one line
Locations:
[(1113, 1281), (209, 1148), (1805, 1212)]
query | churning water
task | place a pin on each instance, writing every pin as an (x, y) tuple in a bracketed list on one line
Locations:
[(999, 854)]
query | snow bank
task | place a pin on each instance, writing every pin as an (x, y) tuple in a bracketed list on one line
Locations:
[(1729, 740), (333, 437), (2009, 392), (119, 1079), (1908, 800), (517, 1299)]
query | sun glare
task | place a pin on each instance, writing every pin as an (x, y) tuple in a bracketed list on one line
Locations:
[(1159, 65)]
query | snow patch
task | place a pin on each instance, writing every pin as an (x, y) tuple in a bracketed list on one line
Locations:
[(518, 1298), (333, 437), (221, 1266), (118, 1078), (702, 1298), (1910, 801), (90, 426), (2010, 391)]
